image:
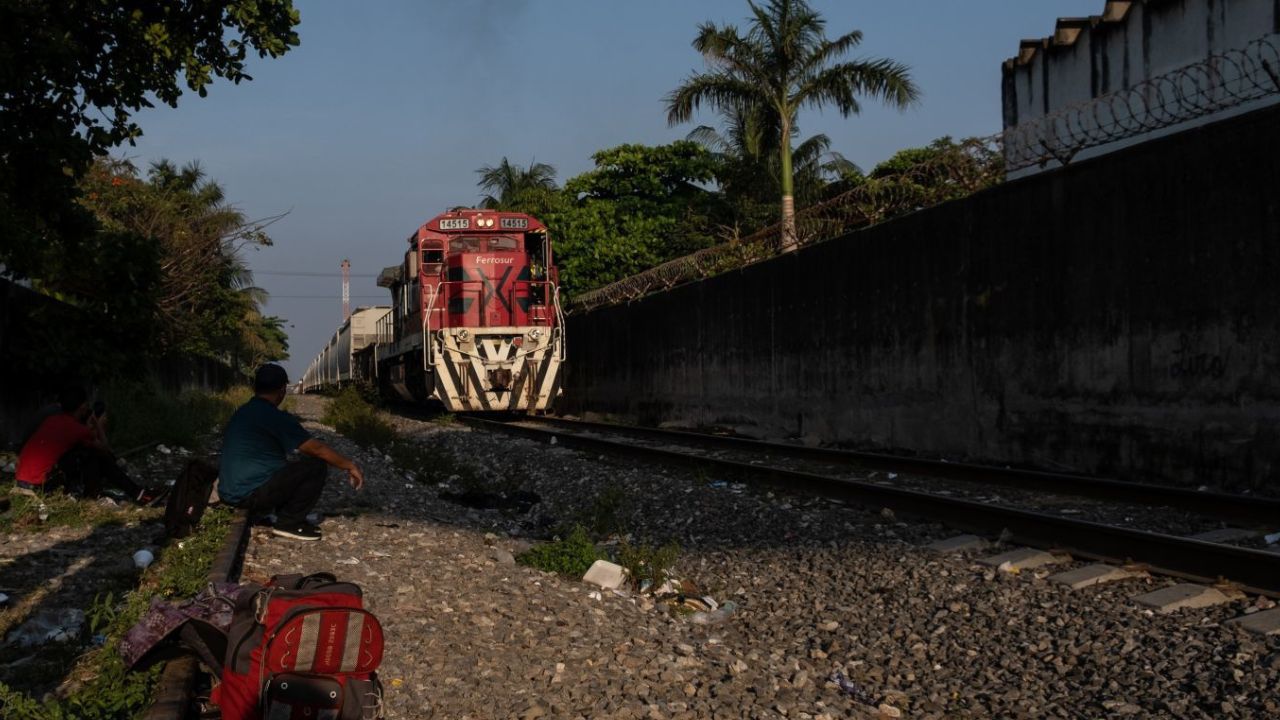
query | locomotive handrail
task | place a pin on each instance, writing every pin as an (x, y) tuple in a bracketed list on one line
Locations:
[(427, 350), (555, 300)]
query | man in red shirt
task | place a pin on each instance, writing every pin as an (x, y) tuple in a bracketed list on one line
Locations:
[(70, 449)]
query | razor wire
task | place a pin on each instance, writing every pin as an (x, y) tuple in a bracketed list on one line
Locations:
[(1218, 83)]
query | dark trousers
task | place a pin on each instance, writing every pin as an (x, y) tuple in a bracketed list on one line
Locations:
[(291, 493), (89, 470)]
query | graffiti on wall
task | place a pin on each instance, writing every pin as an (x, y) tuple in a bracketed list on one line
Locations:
[(1188, 364)]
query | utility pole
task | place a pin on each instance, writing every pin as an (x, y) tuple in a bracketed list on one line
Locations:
[(346, 290)]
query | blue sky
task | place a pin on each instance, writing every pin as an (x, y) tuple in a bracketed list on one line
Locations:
[(379, 119)]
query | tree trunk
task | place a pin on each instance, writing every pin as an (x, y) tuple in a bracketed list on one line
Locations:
[(790, 241)]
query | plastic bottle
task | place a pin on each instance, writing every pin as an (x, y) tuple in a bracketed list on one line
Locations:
[(719, 615)]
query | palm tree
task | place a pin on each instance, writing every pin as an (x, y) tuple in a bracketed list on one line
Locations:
[(785, 62), (512, 187), (747, 151)]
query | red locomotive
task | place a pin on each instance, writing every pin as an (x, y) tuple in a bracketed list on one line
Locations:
[(475, 321)]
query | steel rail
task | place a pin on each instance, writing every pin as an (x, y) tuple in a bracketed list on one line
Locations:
[(175, 692), (1253, 570), (1222, 505)]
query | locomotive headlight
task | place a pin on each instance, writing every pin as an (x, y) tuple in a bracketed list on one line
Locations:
[(535, 334), (463, 335)]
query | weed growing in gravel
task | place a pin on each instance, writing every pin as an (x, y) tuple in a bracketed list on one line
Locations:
[(105, 689), (569, 555), (351, 415), (645, 562), (59, 510), (430, 464), (604, 517), (702, 475), (102, 612)]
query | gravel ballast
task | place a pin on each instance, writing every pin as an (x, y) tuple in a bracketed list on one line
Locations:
[(841, 611)]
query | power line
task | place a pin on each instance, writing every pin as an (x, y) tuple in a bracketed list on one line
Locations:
[(299, 273)]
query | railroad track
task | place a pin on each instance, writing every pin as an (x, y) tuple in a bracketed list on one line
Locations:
[(175, 692), (1251, 569)]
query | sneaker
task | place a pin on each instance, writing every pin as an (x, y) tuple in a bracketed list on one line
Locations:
[(302, 531)]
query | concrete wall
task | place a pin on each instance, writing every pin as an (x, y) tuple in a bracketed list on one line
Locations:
[(1119, 316), (1129, 43), (31, 374)]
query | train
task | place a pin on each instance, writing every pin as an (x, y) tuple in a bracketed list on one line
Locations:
[(475, 321)]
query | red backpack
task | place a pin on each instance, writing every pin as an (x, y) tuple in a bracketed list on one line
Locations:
[(301, 648)]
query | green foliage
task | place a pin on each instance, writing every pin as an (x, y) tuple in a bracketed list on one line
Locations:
[(749, 172), (785, 61), (915, 178), (110, 691), (200, 299), (58, 509), (184, 570), (102, 612), (604, 517), (77, 70), (139, 413), (511, 187), (430, 464), (639, 207), (352, 416), (648, 563), (64, 334), (924, 165), (158, 274), (368, 392), (650, 172), (570, 555)]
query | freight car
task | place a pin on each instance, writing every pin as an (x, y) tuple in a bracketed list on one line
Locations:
[(475, 321), (337, 364)]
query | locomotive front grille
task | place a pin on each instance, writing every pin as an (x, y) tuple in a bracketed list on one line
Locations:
[(483, 369)]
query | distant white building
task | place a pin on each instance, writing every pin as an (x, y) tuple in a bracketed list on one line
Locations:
[(1142, 68)]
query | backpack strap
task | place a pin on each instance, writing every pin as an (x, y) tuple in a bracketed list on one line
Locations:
[(246, 629), (298, 581)]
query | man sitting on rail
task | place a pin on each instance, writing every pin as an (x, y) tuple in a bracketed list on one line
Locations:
[(256, 473), (69, 450)]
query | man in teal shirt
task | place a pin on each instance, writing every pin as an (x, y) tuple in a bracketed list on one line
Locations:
[(255, 471)]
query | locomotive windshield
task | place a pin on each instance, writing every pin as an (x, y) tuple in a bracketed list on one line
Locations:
[(482, 244)]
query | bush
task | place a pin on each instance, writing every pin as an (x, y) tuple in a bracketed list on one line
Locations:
[(351, 415), (604, 517), (645, 562), (141, 413), (570, 555)]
